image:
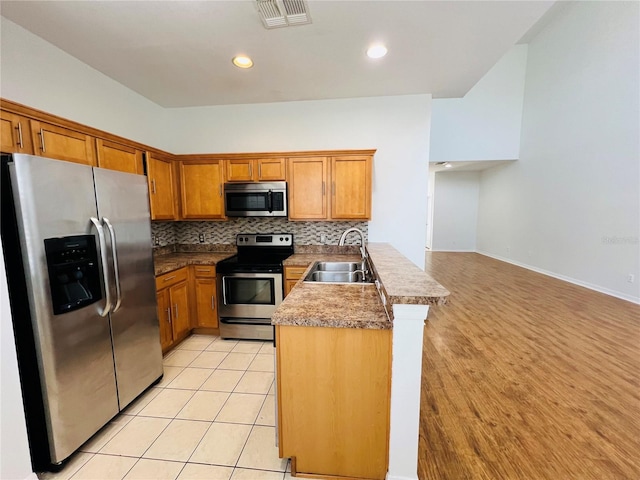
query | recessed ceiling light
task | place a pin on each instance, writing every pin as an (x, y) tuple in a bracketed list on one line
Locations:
[(447, 165), (242, 61), (377, 51)]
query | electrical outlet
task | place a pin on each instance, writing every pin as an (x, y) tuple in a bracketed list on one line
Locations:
[(156, 241), (631, 278), (323, 238), (201, 237)]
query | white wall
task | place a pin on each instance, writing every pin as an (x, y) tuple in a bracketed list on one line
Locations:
[(15, 462), (485, 124), (571, 205), (35, 73), (398, 127), (455, 214)]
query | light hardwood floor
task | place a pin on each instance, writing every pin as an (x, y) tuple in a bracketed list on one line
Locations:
[(527, 377)]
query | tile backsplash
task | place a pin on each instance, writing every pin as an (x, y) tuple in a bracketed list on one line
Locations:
[(304, 233)]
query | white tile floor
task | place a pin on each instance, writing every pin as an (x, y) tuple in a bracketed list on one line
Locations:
[(212, 417)]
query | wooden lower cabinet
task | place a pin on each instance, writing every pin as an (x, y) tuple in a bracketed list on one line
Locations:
[(173, 307), (206, 301), (333, 400), (291, 277)]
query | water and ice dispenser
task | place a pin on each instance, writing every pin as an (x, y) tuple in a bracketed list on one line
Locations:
[(74, 274)]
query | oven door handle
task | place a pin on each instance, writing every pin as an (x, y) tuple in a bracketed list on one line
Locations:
[(224, 290)]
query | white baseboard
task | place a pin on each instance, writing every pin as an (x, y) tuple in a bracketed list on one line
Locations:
[(590, 286), (457, 251), (396, 477)]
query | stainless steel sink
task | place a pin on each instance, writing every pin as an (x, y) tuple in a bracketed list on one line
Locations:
[(340, 272), (339, 266)]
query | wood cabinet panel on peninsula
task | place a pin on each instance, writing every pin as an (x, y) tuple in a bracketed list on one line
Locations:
[(173, 307), (333, 400), (201, 184), (162, 198), (256, 170), (15, 134)]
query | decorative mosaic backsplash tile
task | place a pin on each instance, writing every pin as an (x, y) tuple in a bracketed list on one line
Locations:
[(304, 233)]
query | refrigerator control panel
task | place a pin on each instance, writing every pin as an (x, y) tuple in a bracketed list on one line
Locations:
[(74, 276)]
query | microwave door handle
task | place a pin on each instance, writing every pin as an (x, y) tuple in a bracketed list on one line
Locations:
[(270, 201)]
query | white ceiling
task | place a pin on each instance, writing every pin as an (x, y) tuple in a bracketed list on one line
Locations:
[(178, 53), (466, 166)]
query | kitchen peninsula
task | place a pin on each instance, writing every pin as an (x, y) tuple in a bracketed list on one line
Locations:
[(348, 370)]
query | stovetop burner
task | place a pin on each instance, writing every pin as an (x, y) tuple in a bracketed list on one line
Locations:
[(259, 252)]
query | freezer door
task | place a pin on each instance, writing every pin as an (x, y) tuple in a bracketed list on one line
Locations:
[(123, 208), (56, 199)]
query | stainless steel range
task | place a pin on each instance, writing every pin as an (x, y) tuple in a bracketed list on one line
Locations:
[(250, 285)]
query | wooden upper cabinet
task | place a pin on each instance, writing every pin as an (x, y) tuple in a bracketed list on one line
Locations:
[(308, 178), (351, 187), (115, 156), (256, 170), (62, 143), (15, 134), (201, 184), (271, 169), (161, 188)]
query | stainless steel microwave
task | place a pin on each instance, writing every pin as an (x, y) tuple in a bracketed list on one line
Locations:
[(264, 199)]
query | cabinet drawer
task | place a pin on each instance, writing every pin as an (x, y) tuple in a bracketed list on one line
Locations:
[(206, 271), (294, 273), (171, 278)]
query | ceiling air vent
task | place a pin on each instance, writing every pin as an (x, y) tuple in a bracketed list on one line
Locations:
[(283, 13)]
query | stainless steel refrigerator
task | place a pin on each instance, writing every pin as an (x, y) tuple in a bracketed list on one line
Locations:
[(77, 245)]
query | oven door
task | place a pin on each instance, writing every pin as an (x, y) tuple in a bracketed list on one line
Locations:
[(249, 295)]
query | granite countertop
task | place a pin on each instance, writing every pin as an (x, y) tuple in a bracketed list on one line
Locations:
[(332, 305), (402, 281), (172, 261)]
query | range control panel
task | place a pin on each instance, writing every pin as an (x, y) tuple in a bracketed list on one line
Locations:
[(264, 240)]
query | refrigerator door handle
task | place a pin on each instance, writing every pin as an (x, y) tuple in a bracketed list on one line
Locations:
[(116, 271), (105, 271)]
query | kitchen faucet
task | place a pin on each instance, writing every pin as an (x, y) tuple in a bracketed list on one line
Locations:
[(357, 230)]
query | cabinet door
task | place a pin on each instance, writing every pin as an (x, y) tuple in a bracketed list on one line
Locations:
[(15, 134), (118, 157), (271, 169), (240, 170), (161, 190), (206, 302), (307, 188), (164, 317), (179, 296), (61, 143), (201, 186), (351, 187)]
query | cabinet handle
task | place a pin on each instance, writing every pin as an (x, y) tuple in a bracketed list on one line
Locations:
[(259, 171), (19, 128), (153, 185), (220, 189), (333, 188), (322, 188), (169, 315), (203, 270), (168, 278), (42, 140), (213, 302), (250, 170), (176, 307)]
